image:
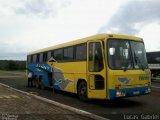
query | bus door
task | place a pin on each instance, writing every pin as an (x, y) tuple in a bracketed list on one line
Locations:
[(96, 70)]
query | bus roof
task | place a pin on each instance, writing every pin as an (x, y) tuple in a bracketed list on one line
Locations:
[(83, 40)]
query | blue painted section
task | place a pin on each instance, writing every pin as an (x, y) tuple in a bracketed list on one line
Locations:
[(129, 92), (41, 70)]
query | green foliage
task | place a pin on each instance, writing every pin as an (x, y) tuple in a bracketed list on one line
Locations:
[(12, 65)]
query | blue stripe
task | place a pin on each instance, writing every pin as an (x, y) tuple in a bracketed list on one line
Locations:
[(41, 70)]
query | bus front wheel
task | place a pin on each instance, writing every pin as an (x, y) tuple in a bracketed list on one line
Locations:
[(82, 91)]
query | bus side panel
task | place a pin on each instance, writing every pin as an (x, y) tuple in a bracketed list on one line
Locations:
[(67, 74)]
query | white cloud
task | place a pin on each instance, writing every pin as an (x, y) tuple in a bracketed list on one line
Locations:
[(137, 17), (133, 12), (27, 25), (30, 8), (150, 34)]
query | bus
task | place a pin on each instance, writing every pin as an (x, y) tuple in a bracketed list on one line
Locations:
[(102, 66), (153, 59)]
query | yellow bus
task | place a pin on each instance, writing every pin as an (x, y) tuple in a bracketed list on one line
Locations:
[(103, 66)]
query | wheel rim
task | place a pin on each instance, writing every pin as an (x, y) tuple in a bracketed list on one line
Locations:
[(83, 91)]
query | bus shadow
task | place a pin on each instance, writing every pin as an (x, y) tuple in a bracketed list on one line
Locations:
[(118, 103)]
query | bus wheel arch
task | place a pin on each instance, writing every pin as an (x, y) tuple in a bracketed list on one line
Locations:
[(82, 90)]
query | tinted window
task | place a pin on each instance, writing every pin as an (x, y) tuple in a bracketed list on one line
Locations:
[(38, 56), (52, 54), (95, 57), (41, 58), (29, 59), (48, 55), (45, 57), (58, 54), (68, 53), (34, 58), (81, 52)]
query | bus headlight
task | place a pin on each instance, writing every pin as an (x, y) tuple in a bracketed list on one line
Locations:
[(120, 93)]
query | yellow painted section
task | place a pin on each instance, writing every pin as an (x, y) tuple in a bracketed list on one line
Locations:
[(94, 93), (83, 40), (91, 82), (132, 75), (72, 71)]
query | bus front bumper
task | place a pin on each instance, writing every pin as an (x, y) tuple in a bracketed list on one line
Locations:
[(128, 92)]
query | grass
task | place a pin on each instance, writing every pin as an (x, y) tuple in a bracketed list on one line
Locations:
[(11, 73), (4, 73)]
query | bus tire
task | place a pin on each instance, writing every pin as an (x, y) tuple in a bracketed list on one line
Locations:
[(82, 91)]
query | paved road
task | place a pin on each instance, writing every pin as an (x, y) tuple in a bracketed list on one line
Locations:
[(17, 106), (117, 109)]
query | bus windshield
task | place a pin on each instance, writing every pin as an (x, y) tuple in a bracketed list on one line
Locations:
[(126, 54)]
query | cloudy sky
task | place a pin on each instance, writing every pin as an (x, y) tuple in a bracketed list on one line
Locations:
[(27, 25)]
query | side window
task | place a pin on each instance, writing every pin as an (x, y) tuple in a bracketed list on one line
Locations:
[(95, 57), (68, 53), (44, 56), (41, 58), (38, 56), (81, 52), (52, 53), (48, 55), (58, 54), (29, 59), (34, 58)]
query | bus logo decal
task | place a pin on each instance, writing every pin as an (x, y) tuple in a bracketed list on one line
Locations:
[(62, 84), (124, 80)]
